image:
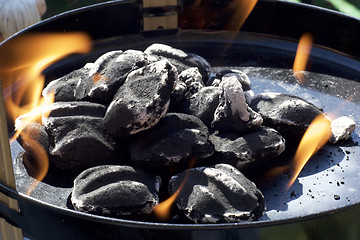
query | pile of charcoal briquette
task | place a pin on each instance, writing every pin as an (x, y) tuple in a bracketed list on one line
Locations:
[(133, 122)]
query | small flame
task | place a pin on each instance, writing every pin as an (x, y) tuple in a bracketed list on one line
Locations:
[(36, 162), (302, 56), (162, 210), (315, 137), (22, 60), (242, 10), (203, 14), (35, 115)]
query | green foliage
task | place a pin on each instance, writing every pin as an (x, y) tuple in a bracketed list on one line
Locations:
[(351, 8), (343, 225)]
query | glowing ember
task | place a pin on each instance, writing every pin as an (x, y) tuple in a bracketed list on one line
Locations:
[(99, 77), (302, 56), (22, 60), (314, 138), (162, 210)]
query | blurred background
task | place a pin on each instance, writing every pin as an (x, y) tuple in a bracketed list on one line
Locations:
[(350, 7)]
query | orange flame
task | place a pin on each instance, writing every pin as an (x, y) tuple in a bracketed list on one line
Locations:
[(22, 60), (162, 210), (315, 137), (34, 115), (37, 164), (242, 10), (302, 56), (203, 14)]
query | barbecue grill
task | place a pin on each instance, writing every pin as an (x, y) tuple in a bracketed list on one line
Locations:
[(324, 200)]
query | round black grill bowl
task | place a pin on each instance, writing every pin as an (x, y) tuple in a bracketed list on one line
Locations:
[(264, 49)]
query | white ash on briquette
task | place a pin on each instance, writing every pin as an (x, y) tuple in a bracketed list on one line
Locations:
[(341, 129), (219, 193), (153, 112), (115, 190), (290, 115), (180, 59), (98, 81), (222, 74), (193, 81), (233, 113), (109, 73), (142, 100)]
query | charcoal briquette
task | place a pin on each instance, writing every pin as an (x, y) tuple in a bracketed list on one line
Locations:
[(255, 149), (174, 141), (109, 72), (180, 59), (217, 194), (115, 190), (177, 97), (244, 80), (203, 104), (289, 114), (225, 72), (64, 88), (77, 135), (104, 61), (193, 80), (35, 132), (142, 100), (189, 82), (75, 108), (233, 113)]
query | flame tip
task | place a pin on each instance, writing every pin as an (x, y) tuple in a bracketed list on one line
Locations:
[(302, 56), (315, 137)]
